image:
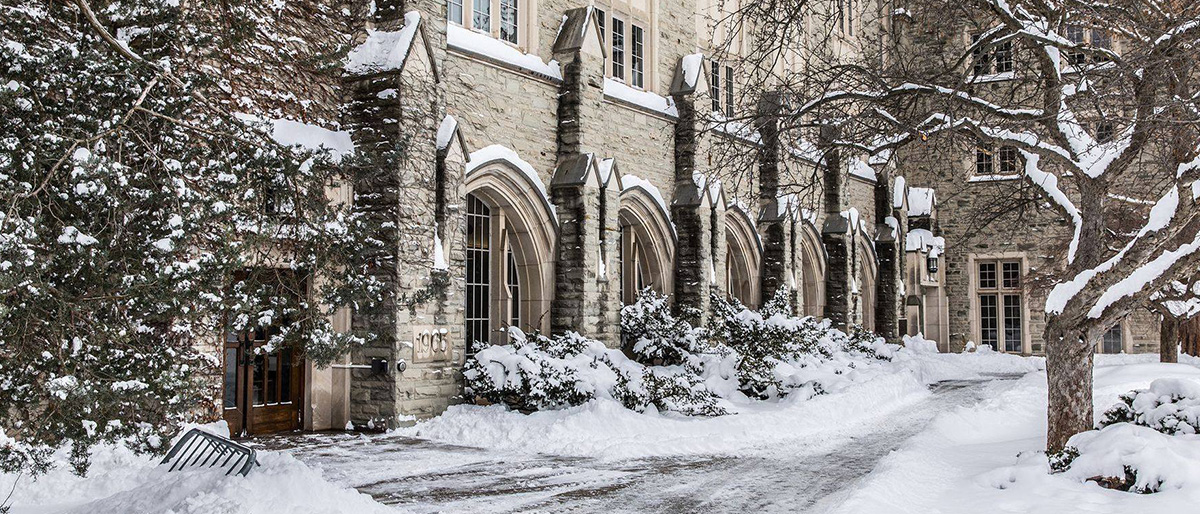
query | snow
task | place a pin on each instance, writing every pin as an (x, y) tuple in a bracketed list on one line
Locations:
[(604, 429), (305, 136), (692, 64), (485, 45), (986, 457), (494, 153), (123, 482), (605, 168), (922, 240), (1049, 184), (439, 254), (384, 50), (899, 191), (861, 169), (921, 201), (446, 132), (645, 99)]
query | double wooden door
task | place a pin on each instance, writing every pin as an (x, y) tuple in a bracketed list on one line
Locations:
[(263, 391)]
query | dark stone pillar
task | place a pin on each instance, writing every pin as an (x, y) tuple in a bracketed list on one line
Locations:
[(691, 212), (889, 248), (836, 234), (772, 220)]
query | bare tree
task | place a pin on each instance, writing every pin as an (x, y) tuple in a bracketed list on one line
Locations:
[(1098, 99)]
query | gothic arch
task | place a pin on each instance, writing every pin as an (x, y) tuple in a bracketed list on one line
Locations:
[(647, 242), (743, 257), (811, 268), (868, 268), (525, 223)]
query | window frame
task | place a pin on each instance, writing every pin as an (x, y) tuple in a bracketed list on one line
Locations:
[(1006, 299), (495, 24), (636, 70)]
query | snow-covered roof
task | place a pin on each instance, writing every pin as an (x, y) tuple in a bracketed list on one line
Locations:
[(861, 169), (922, 240), (899, 191), (487, 46), (384, 50), (921, 201), (446, 132)]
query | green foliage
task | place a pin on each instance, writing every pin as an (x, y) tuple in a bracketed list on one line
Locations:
[(137, 212)]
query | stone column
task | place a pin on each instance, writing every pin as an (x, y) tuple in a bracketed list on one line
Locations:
[(691, 211), (889, 249), (773, 225), (587, 296), (836, 234)]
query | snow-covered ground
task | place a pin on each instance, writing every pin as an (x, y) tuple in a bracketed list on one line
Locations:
[(882, 441)]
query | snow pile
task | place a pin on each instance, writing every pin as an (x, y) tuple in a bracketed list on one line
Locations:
[(540, 373), (1170, 406), (645, 99), (121, 481), (1135, 458), (921, 201), (987, 456)]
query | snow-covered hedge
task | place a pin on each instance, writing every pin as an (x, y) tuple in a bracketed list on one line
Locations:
[(1146, 443), (536, 372), (1170, 406), (670, 365)]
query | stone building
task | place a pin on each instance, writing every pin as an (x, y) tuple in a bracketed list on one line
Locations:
[(561, 155)]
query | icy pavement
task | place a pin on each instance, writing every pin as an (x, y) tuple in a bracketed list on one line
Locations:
[(423, 476)]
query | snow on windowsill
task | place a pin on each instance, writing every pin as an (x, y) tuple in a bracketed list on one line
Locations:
[(994, 178), (993, 77), (640, 98), (483, 44)]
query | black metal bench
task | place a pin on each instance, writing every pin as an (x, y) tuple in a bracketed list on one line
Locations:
[(200, 449)]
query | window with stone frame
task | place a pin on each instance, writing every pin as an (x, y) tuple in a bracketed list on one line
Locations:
[(1008, 163), (625, 30), (991, 59), (984, 161), (1000, 313), (714, 84), (501, 19), (1076, 35)]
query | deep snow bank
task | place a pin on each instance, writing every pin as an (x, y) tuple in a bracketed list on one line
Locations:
[(987, 457), (122, 482)]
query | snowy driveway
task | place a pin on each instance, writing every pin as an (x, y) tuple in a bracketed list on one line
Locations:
[(423, 476)]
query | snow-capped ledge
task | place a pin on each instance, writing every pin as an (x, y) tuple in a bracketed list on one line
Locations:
[(484, 45), (650, 101)]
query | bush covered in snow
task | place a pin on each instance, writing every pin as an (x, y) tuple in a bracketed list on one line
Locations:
[(1146, 443), (536, 372), (674, 366), (1170, 406), (655, 336)]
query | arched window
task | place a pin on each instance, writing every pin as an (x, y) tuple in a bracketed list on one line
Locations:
[(478, 307)]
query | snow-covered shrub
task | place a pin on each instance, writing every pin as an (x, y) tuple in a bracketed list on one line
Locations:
[(655, 336), (765, 339), (1170, 406), (536, 372), (1134, 458), (1146, 443)]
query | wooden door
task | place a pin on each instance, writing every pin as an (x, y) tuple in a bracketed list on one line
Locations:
[(263, 391)]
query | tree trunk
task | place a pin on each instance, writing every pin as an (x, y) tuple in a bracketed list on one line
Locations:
[(1168, 340), (1069, 398)]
